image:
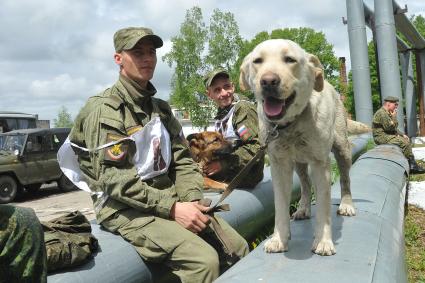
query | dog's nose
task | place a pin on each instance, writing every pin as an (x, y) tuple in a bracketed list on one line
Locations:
[(270, 80)]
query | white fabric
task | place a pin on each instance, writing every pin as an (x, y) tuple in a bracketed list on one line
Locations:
[(145, 159), (225, 126)]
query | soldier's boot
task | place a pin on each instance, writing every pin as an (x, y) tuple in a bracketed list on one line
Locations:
[(414, 167)]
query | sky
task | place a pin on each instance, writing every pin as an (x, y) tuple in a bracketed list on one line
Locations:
[(56, 53)]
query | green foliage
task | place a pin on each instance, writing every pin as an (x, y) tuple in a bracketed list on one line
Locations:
[(64, 119), (192, 62), (312, 41)]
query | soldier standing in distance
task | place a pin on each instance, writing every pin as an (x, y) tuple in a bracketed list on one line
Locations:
[(385, 131), (160, 216)]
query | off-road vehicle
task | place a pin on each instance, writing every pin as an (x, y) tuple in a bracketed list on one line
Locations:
[(28, 158)]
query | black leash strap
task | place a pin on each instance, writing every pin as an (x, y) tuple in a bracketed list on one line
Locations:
[(236, 181)]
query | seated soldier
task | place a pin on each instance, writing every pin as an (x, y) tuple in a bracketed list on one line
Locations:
[(237, 120), (385, 131), (151, 200)]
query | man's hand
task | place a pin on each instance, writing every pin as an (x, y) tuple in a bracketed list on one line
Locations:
[(212, 167), (190, 215)]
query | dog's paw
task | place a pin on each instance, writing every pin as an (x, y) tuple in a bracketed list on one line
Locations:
[(275, 245), (346, 210), (301, 213), (323, 247)]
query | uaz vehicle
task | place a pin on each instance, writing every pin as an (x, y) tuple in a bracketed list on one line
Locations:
[(28, 159)]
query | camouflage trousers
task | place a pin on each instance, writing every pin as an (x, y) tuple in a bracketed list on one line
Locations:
[(183, 255), (400, 141), (22, 251)]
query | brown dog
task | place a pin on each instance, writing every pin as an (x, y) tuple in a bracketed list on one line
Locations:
[(205, 147)]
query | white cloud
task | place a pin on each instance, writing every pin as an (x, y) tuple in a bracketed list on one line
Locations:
[(60, 52)]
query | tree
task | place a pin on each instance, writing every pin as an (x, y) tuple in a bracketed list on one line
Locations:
[(312, 41), (64, 119), (192, 63)]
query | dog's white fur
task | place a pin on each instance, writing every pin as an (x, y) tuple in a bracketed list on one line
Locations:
[(313, 125)]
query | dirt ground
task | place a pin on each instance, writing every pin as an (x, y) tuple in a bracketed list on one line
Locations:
[(50, 202)]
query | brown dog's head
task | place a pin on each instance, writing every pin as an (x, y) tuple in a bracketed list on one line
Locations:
[(207, 146), (282, 76)]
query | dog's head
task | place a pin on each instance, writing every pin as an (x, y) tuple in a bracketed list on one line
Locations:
[(282, 76), (207, 146)]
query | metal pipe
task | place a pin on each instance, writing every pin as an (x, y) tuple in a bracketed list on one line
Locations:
[(420, 88), (387, 54), (409, 93), (370, 245), (359, 61)]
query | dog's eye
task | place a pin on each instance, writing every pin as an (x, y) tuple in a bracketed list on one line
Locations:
[(258, 61), (289, 59)]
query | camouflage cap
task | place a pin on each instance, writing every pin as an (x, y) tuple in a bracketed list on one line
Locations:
[(211, 76), (391, 99), (126, 38)]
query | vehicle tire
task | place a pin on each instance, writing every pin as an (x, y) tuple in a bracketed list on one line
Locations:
[(65, 184), (8, 189), (32, 188)]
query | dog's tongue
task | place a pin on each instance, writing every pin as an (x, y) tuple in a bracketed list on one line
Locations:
[(273, 107)]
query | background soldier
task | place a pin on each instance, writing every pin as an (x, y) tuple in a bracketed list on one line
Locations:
[(237, 120), (385, 131), (159, 214), (22, 250)]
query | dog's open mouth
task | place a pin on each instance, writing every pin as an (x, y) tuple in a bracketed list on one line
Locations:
[(275, 108)]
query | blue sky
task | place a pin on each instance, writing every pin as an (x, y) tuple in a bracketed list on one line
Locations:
[(57, 53)]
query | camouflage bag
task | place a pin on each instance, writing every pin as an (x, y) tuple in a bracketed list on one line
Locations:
[(68, 241)]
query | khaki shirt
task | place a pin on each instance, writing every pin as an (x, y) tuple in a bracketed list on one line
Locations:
[(116, 113), (245, 115), (384, 126)]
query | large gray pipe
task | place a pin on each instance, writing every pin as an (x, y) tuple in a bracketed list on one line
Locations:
[(409, 92), (370, 245), (405, 27), (387, 54), (359, 61)]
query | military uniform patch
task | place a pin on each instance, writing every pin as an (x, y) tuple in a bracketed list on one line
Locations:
[(244, 133), (116, 152)]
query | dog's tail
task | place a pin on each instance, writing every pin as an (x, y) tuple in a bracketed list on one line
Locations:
[(357, 128)]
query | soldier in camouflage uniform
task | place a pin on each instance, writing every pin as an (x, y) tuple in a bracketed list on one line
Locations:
[(22, 251), (385, 131), (160, 215), (237, 120)]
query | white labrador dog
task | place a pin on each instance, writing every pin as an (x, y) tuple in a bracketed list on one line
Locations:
[(305, 112)]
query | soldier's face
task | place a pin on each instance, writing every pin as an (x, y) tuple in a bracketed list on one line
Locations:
[(221, 91), (138, 63)]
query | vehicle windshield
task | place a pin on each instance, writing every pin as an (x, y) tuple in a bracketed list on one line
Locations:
[(12, 142)]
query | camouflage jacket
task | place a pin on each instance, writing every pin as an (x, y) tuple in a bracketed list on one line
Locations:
[(118, 112), (384, 126), (245, 124)]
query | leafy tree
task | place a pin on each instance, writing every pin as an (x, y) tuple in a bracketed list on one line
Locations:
[(186, 56), (192, 62), (64, 119), (312, 41)]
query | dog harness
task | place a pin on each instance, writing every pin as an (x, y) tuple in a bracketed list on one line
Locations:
[(225, 126)]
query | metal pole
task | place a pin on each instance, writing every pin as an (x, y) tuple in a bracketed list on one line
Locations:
[(387, 54), (420, 88), (409, 93), (359, 61)]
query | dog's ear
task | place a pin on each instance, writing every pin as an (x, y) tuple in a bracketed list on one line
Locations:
[(318, 72), (191, 137), (244, 73)]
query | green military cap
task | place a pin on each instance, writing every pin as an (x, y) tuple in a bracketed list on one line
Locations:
[(126, 38), (214, 73), (391, 99)]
